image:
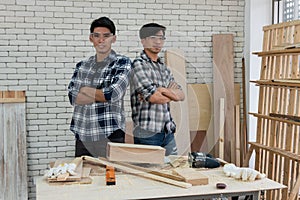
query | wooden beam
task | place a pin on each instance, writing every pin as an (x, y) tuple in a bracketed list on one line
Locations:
[(274, 82), (244, 135), (282, 152), (237, 136), (152, 171), (275, 118), (103, 161), (277, 52), (221, 131), (135, 153)]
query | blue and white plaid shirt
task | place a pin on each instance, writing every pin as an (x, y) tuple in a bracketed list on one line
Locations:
[(146, 77), (112, 77)]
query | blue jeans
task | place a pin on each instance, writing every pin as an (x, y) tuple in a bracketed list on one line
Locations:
[(165, 140)]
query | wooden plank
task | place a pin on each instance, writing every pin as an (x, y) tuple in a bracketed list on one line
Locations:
[(237, 136), (277, 52), (12, 96), (135, 153), (129, 132), (276, 83), (179, 110), (192, 176), (276, 150), (2, 166), (125, 169), (221, 131), (223, 65), (153, 171), (244, 136), (275, 118), (13, 168)]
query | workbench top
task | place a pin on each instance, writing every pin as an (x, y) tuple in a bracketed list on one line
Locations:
[(135, 187)]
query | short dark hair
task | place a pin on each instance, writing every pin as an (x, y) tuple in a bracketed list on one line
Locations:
[(103, 22), (151, 29)]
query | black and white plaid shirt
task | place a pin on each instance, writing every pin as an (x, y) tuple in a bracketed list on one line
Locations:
[(112, 76), (146, 77)]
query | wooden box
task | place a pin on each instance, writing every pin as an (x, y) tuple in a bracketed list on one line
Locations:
[(135, 153)]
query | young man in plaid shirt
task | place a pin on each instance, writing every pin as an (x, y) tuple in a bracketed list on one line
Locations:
[(96, 91), (152, 87)]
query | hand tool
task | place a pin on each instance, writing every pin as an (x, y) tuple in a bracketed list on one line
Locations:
[(110, 175)]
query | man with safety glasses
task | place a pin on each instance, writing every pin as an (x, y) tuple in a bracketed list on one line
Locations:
[(97, 90), (152, 87)]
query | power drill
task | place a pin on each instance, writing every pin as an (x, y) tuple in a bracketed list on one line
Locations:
[(200, 159)]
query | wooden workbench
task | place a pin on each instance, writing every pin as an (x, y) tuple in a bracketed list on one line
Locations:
[(134, 187)]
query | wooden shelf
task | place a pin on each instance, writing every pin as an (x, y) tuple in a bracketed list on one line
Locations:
[(277, 151), (277, 135), (275, 118), (279, 82), (277, 52)]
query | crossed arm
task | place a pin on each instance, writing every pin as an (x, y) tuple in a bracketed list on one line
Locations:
[(164, 95), (88, 95)]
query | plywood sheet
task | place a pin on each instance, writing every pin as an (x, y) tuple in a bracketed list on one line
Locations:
[(200, 106), (179, 110), (223, 70), (201, 115)]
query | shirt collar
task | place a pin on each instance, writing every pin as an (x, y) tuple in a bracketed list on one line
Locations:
[(109, 59), (145, 57)]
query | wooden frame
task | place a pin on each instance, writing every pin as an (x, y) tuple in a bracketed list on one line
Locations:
[(277, 139)]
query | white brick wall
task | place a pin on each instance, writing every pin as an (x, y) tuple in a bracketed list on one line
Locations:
[(41, 40)]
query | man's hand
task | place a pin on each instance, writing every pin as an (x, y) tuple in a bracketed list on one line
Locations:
[(158, 98), (88, 95), (173, 92), (173, 85), (88, 91)]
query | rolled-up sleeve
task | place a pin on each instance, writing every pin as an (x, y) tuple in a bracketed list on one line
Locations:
[(144, 86), (74, 85), (120, 81)]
